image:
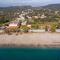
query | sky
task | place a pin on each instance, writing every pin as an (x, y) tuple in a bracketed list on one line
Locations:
[(27, 2)]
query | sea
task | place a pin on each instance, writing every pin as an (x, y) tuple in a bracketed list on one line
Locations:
[(29, 53)]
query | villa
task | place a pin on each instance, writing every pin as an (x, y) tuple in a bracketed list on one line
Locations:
[(43, 16), (29, 26), (14, 24)]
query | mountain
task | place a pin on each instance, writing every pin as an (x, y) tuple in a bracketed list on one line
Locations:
[(11, 8), (52, 6)]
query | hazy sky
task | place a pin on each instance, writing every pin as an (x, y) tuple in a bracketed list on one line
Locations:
[(27, 2)]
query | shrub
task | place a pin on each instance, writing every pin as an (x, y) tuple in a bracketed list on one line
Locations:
[(12, 29), (35, 26), (53, 28), (24, 28), (46, 28), (58, 26)]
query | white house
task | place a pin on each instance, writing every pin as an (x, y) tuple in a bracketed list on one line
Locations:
[(29, 26), (13, 24), (29, 17), (35, 17), (24, 23), (21, 17), (43, 16)]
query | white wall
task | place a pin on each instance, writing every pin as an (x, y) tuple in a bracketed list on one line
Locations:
[(57, 30), (37, 30)]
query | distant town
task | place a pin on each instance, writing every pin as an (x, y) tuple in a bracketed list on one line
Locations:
[(25, 19)]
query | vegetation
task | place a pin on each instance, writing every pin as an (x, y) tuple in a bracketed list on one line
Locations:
[(12, 29), (52, 13), (35, 26), (24, 29), (58, 26), (53, 27)]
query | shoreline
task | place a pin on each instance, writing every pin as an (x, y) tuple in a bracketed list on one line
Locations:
[(30, 40), (28, 46)]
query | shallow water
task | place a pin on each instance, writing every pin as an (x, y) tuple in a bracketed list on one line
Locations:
[(29, 54)]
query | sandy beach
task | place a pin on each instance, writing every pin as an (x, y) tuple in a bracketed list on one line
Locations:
[(30, 39)]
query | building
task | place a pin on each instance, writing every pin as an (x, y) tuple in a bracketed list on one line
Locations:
[(43, 16), (24, 23), (29, 26), (35, 17), (14, 24)]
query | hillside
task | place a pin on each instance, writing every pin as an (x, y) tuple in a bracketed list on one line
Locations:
[(49, 6), (15, 7), (52, 6)]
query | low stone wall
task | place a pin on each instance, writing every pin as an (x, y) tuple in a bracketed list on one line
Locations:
[(37, 30), (57, 30)]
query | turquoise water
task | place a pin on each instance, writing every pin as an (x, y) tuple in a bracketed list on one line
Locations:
[(29, 54)]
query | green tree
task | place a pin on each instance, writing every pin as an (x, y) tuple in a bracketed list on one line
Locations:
[(53, 27), (24, 29)]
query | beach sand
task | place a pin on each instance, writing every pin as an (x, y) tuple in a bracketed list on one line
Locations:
[(30, 40)]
